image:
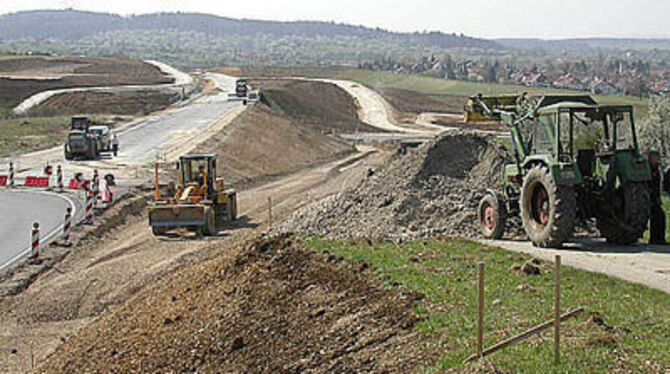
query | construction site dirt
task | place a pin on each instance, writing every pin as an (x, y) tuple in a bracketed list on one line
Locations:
[(265, 306), (100, 275), (416, 194), (22, 77)]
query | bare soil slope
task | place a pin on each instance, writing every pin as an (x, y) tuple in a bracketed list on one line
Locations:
[(274, 307), (128, 103), (269, 140), (22, 76), (322, 106)]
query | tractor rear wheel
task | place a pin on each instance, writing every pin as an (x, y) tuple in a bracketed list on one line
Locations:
[(547, 210), (492, 216), (628, 222)]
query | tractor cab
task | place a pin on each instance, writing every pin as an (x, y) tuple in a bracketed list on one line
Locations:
[(198, 170), (200, 202), (80, 123)]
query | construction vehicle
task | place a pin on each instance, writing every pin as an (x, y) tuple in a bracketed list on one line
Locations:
[(241, 88), (200, 201), (474, 110), (573, 160), (86, 139)]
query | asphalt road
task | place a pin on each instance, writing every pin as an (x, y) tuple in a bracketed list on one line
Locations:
[(141, 142), (19, 210)]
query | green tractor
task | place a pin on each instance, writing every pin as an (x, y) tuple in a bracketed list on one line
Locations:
[(573, 160)]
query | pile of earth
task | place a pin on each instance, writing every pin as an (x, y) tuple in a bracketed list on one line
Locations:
[(432, 190), (275, 306)]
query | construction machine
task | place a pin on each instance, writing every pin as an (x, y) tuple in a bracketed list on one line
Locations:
[(241, 88), (573, 160), (474, 108), (200, 201), (86, 139)]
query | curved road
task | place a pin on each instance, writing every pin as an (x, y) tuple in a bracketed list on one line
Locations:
[(165, 135), (22, 208)]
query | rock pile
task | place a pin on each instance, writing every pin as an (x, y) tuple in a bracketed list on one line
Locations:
[(432, 190)]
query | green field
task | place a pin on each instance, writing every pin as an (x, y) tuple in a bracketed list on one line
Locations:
[(20, 135), (625, 328), (27, 134)]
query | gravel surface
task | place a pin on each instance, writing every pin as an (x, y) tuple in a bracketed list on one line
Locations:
[(432, 190)]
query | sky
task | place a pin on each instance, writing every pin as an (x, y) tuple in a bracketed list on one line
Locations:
[(480, 18)]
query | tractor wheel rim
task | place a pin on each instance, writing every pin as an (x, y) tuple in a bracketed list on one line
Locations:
[(489, 217), (540, 205)]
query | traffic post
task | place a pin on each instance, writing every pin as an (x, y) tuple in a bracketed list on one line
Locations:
[(90, 199), (96, 186), (35, 244), (67, 228), (59, 178), (10, 183)]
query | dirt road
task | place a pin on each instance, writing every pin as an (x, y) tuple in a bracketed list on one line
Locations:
[(164, 136), (101, 275), (643, 264)]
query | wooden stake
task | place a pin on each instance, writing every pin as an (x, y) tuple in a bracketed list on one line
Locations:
[(557, 311), (480, 312), (524, 335), (158, 192), (270, 211)]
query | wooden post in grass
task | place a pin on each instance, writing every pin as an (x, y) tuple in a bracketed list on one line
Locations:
[(557, 311), (480, 311), (270, 211)]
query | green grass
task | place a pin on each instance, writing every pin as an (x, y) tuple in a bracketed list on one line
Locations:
[(20, 135), (637, 318), (27, 134)]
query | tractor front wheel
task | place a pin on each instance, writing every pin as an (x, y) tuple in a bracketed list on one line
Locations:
[(547, 210), (492, 216)]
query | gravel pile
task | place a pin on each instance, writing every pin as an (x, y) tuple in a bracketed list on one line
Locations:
[(432, 190)]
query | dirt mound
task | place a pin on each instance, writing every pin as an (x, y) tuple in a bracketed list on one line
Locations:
[(322, 106), (433, 190), (263, 142), (78, 72), (140, 102), (275, 307)]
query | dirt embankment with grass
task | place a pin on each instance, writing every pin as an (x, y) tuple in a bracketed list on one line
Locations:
[(20, 78), (285, 132), (274, 306)]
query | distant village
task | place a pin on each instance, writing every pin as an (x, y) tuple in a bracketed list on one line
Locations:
[(610, 76)]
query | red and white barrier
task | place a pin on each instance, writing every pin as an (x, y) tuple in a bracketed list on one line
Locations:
[(90, 201), (37, 182), (3, 180), (35, 243), (67, 228)]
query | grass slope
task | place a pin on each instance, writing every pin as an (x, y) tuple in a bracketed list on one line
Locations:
[(626, 327)]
